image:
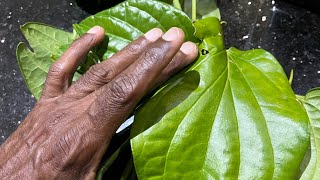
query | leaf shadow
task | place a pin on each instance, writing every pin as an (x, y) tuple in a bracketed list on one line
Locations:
[(171, 95)]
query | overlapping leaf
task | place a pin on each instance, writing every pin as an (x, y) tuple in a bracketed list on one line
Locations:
[(131, 19), (311, 103), (240, 120), (46, 43)]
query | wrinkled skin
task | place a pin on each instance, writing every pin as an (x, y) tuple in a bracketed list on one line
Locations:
[(65, 135)]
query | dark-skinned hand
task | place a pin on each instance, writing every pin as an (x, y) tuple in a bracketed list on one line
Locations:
[(66, 133)]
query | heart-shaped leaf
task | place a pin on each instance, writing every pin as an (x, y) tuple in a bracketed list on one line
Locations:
[(239, 120), (131, 19), (311, 103), (46, 43)]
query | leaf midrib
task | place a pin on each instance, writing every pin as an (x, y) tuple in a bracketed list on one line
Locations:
[(260, 110), (192, 106)]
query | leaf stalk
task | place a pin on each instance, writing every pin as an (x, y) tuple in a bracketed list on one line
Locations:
[(291, 77), (177, 4), (194, 10)]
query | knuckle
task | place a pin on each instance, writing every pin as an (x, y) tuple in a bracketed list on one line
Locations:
[(55, 69), (133, 48), (123, 88), (174, 66), (101, 73), (152, 56), (83, 41)]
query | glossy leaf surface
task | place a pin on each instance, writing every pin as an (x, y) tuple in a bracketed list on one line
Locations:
[(231, 115), (131, 19), (47, 44), (311, 103)]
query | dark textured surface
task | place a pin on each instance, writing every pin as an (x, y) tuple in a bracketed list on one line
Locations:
[(15, 99), (291, 33)]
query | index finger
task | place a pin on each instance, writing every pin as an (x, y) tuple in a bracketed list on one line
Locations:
[(62, 71)]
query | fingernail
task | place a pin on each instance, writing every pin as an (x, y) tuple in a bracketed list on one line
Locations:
[(189, 48), (94, 30), (153, 34), (172, 34)]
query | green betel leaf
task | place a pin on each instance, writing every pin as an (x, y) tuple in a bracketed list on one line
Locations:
[(46, 43), (311, 103), (231, 115), (131, 19)]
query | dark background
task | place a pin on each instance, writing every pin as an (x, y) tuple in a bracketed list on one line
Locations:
[(290, 31)]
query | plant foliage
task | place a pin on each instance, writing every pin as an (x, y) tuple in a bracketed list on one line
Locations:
[(242, 121), (230, 115)]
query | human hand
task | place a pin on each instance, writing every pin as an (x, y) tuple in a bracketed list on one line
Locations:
[(69, 129)]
